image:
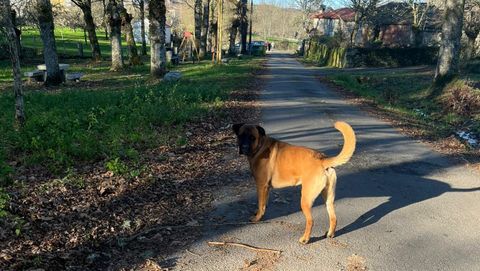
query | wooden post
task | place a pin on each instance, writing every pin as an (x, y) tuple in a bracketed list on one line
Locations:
[(80, 49)]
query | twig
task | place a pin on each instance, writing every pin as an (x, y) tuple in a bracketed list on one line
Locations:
[(211, 243), (195, 254)]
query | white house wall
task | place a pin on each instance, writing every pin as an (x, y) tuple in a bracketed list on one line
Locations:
[(137, 31)]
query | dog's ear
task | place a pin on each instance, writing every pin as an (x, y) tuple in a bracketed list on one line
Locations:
[(261, 131), (236, 127)]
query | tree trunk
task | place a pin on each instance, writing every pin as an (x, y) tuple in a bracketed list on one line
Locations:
[(198, 21), (449, 52), (157, 18), (205, 29), (233, 36), (18, 32), (90, 27), (15, 58), (134, 59), (105, 22), (142, 27), (471, 52), (243, 27), (115, 25), (45, 20), (212, 38), (219, 32)]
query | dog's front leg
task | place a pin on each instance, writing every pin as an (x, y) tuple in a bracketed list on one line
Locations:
[(262, 194)]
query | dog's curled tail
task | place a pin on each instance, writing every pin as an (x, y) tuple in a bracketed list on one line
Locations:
[(348, 146)]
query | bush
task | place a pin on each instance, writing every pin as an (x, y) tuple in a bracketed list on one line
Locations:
[(462, 99), (391, 57)]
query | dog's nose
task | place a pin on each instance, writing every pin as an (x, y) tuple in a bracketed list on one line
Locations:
[(244, 149)]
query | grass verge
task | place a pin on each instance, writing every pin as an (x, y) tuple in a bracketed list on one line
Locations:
[(404, 95)]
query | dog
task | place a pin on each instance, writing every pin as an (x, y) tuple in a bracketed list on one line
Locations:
[(277, 164)]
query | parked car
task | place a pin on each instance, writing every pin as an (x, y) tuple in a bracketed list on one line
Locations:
[(259, 48)]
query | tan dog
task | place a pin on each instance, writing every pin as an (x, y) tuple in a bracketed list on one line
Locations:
[(278, 164)]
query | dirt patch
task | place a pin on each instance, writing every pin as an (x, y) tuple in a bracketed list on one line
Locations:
[(263, 261), (96, 220), (356, 263)]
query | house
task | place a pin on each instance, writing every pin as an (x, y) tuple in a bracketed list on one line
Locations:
[(331, 22), (392, 25)]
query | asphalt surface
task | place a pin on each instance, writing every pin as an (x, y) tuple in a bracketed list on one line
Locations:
[(399, 204)]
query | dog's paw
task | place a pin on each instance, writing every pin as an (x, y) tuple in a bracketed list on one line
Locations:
[(303, 240), (255, 219), (329, 235)]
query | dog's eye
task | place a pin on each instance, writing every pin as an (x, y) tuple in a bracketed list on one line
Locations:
[(252, 137)]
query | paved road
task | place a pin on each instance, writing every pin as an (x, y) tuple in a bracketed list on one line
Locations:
[(400, 205)]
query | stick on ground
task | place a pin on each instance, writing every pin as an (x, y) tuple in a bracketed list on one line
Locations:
[(211, 243)]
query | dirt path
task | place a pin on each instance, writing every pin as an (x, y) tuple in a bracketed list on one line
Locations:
[(400, 205)]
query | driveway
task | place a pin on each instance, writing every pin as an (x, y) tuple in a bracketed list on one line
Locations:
[(399, 204)]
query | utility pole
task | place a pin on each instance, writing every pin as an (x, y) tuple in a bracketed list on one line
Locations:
[(250, 36)]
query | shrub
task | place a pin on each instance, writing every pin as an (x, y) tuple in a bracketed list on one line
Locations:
[(462, 99), (391, 57)]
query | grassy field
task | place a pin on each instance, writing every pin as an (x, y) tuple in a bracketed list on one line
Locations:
[(406, 93), (110, 116), (67, 43)]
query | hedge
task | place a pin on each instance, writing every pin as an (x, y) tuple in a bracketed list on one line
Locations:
[(340, 57)]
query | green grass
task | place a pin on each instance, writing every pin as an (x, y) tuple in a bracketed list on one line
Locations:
[(112, 115), (407, 94), (67, 40)]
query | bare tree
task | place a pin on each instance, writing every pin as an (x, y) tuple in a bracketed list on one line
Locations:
[(364, 11), (86, 7), (133, 57), (157, 17), (212, 38), (308, 7), (45, 21), (235, 24), (243, 26), (205, 29), (420, 10), (9, 31), (198, 21), (471, 25), (449, 53)]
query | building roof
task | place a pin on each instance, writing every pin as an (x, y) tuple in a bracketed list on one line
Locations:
[(393, 13), (345, 14)]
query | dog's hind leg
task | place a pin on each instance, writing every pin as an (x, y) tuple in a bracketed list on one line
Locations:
[(310, 191), (328, 195)]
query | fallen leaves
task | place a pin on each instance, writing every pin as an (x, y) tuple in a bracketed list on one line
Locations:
[(101, 220)]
